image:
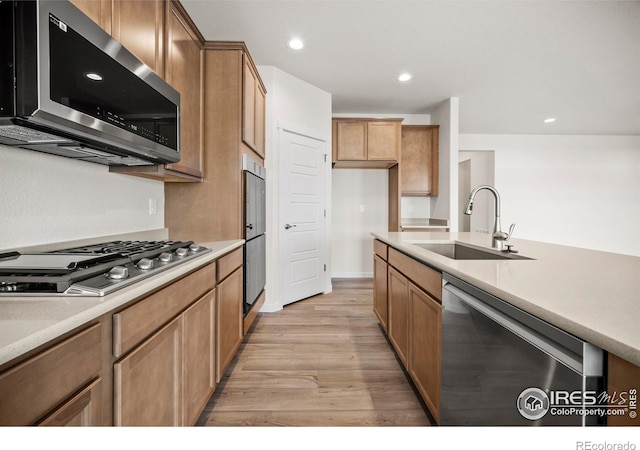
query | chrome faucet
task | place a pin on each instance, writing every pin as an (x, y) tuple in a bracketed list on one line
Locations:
[(499, 236)]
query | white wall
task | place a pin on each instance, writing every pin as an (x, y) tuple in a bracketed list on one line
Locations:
[(482, 172), (47, 199), (308, 108), (351, 240), (581, 191), (444, 205)]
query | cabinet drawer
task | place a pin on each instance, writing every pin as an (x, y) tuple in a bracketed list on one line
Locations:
[(380, 249), (133, 324), (35, 387), (427, 279), (228, 263)]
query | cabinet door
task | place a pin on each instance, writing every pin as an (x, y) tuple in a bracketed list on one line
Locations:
[(260, 121), (399, 313), (184, 71), (383, 141), (425, 315), (199, 356), (83, 410), (351, 140), (419, 160), (138, 25), (380, 304), (248, 104), (229, 326), (623, 377), (97, 10), (148, 381)]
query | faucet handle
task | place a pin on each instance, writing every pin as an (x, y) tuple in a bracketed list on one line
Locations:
[(513, 225), (502, 236)]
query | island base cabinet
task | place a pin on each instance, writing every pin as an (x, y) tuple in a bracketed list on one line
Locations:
[(425, 322), (623, 377), (83, 410), (380, 301), (398, 296), (148, 381), (229, 323)]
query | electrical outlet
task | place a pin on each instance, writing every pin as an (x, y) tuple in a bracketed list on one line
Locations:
[(153, 206), (361, 208)]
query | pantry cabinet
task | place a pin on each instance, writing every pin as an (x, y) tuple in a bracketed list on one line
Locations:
[(366, 143), (419, 160)]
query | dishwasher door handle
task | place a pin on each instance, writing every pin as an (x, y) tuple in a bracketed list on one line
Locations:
[(536, 339)]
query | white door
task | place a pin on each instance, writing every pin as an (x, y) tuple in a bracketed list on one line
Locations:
[(303, 246)]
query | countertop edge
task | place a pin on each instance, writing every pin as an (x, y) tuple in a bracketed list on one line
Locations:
[(563, 322), (113, 301)]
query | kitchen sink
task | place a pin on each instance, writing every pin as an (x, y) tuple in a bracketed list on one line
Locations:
[(456, 250)]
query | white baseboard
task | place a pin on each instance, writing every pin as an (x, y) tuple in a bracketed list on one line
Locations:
[(352, 275)]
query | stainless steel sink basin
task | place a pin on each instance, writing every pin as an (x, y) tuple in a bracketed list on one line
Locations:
[(456, 250)]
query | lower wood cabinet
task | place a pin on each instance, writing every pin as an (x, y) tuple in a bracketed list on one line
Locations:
[(148, 381), (425, 321), (414, 293), (623, 378), (398, 295), (380, 300), (199, 356), (229, 323), (83, 410)]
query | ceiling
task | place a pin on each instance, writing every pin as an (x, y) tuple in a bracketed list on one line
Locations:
[(512, 64)]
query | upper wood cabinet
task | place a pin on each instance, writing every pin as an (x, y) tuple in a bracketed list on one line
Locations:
[(97, 10), (139, 26), (419, 160), (366, 143), (253, 105), (162, 35)]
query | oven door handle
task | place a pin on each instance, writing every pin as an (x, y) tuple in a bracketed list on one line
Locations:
[(542, 343)]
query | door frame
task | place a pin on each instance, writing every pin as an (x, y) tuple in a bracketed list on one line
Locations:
[(273, 300)]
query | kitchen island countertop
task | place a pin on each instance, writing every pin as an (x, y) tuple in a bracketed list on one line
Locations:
[(27, 323), (592, 294)]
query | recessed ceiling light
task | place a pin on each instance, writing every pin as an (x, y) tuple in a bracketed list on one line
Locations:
[(550, 120), (404, 77), (94, 76), (296, 44)]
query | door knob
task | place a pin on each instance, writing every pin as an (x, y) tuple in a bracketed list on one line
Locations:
[(287, 226)]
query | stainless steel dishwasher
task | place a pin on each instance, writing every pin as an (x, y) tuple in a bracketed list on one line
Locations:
[(503, 366)]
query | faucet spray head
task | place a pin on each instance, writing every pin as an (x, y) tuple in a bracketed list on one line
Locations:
[(469, 207)]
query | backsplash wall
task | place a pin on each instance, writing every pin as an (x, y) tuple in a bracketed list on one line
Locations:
[(46, 199)]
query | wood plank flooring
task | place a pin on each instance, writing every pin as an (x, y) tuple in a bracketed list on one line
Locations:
[(323, 361)]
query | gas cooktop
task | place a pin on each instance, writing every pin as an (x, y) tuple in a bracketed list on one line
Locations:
[(93, 270)]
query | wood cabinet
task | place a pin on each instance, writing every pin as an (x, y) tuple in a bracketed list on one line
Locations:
[(52, 385), (398, 296), (380, 275), (419, 160), (166, 373), (229, 323), (161, 34), (199, 356), (214, 209), (623, 378), (366, 143), (425, 321), (139, 26), (97, 10), (148, 382), (414, 293), (253, 105)]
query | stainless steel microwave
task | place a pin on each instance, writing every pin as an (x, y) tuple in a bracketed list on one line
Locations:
[(68, 88)]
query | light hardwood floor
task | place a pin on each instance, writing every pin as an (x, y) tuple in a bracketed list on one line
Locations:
[(323, 361)]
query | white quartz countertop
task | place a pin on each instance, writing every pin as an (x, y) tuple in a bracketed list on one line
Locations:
[(27, 323), (592, 294)]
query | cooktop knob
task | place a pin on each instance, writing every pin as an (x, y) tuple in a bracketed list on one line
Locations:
[(165, 257), (194, 248), (145, 264), (182, 252), (118, 273)]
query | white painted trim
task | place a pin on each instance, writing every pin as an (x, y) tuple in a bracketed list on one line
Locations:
[(270, 307), (352, 275), (301, 131)]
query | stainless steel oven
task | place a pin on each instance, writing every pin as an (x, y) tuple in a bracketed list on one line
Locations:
[(503, 366), (255, 234)]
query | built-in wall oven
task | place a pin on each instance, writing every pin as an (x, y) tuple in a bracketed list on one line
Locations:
[(503, 366), (254, 176)]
